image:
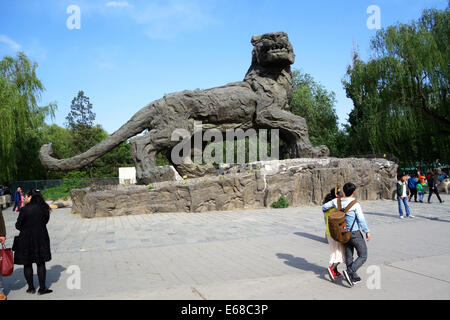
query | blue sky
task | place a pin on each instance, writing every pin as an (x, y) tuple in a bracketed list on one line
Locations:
[(129, 53)]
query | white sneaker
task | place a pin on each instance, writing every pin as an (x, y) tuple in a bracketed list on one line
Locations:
[(411, 216), (402, 217)]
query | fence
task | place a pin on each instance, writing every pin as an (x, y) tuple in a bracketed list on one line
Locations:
[(386, 156), (60, 188)]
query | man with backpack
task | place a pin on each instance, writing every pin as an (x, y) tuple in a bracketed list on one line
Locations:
[(412, 182), (353, 237)]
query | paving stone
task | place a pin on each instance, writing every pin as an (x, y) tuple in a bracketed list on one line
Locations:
[(148, 254)]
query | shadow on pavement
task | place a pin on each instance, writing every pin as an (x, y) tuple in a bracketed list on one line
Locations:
[(381, 214), (17, 280), (303, 264), (433, 218), (396, 216), (311, 236)]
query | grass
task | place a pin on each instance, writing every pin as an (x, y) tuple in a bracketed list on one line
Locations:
[(281, 203), (63, 191)]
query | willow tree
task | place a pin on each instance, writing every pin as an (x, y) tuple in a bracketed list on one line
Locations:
[(20, 117), (400, 96)]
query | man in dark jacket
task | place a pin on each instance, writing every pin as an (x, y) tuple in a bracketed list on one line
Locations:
[(432, 185), (2, 241), (412, 182), (17, 197)]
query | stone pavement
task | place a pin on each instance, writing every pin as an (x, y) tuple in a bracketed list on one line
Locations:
[(252, 254)]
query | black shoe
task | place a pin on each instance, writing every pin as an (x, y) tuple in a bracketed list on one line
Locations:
[(348, 278), (44, 291), (355, 278), (31, 290)]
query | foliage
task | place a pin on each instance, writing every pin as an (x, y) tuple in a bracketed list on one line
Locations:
[(63, 191), (81, 134), (80, 121), (317, 105), (281, 203), (21, 117), (400, 96)]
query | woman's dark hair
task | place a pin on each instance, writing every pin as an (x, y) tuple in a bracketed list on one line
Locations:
[(349, 188), (331, 195), (36, 198)]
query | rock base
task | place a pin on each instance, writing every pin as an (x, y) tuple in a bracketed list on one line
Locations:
[(250, 186)]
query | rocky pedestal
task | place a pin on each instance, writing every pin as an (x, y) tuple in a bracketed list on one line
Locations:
[(249, 186)]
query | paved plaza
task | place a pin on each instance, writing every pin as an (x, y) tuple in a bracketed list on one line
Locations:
[(252, 254)]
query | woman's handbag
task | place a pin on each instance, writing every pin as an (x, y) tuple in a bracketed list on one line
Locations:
[(6, 261)]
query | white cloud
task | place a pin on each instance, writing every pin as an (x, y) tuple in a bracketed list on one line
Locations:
[(10, 43), (164, 20), (119, 4)]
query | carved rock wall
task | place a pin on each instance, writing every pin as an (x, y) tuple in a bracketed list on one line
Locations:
[(249, 186)]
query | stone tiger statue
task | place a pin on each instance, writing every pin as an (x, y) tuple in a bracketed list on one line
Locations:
[(260, 101)]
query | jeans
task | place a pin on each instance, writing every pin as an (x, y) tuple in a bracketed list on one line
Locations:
[(421, 195), (356, 242), (405, 202), (1, 284)]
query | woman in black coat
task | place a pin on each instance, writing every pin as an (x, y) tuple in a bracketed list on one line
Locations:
[(33, 243)]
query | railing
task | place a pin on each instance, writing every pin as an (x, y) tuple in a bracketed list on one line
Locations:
[(60, 188)]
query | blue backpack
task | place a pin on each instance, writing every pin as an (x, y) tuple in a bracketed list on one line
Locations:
[(412, 183)]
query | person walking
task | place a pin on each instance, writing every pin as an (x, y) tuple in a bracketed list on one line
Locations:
[(432, 187), (2, 241), (412, 186), (18, 199), (403, 197), (33, 242), (337, 254), (354, 217)]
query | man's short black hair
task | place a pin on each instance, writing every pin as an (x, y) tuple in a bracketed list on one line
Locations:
[(349, 188)]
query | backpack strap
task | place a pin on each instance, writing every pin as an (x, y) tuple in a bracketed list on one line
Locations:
[(350, 205), (339, 204)]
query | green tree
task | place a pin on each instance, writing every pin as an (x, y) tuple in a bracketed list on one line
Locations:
[(21, 118), (317, 105), (108, 165), (80, 121), (400, 96), (83, 134)]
